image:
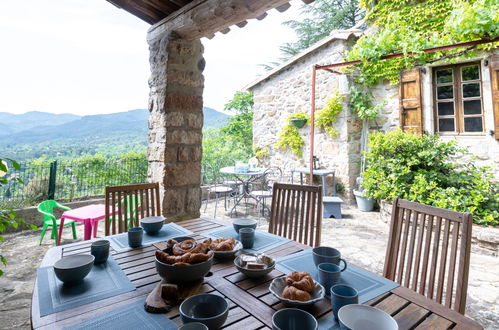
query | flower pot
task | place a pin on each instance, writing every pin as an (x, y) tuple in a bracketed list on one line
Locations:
[(298, 123), (363, 203)]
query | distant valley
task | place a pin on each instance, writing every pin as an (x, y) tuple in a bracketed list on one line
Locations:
[(35, 134)]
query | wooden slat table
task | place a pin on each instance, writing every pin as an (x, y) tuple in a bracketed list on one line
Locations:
[(251, 303)]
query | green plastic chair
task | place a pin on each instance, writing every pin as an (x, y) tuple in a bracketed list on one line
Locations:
[(49, 220)]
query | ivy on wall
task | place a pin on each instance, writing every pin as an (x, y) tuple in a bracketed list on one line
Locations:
[(411, 26), (326, 117), (290, 137)]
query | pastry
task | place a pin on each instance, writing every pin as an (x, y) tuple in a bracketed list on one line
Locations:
[(301, 280), (292, 293), (223, 244)]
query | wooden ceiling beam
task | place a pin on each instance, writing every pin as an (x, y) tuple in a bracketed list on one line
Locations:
[(140, 9), (201, 18), (166, 7), (307, 2), (283, 8), (262, 16)]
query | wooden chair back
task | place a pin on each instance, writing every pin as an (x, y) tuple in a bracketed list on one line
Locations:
[(131, 203), (429, 252), (296, 212)]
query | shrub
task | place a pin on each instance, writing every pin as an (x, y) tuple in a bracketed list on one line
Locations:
[(421, 169)]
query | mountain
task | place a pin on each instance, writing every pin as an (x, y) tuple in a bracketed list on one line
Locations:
[(10, 123), (34, 134)]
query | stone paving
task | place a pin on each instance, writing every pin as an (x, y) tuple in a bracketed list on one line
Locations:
[(361, 237)]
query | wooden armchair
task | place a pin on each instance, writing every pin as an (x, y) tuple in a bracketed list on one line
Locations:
[(131, 203), (429, 252), (296, 212)]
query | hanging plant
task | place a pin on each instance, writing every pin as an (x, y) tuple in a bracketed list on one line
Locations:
[(326, 117), (299, 119), (290, 137)]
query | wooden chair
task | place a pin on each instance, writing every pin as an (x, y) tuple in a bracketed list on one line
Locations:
[(145, 200), (429, 252), (296, 212)]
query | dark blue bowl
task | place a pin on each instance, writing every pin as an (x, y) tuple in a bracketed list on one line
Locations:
[(243, 223), (206, 308), (293, 318)]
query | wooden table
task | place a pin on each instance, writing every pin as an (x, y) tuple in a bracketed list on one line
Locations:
[(251, 303)]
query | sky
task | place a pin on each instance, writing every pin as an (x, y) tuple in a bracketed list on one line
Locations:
[(89, 57)]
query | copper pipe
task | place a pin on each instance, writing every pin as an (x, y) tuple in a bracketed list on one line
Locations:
[(428, 50), (312, 126)]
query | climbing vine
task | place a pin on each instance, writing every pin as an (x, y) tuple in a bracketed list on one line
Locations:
[(326, 117), (361, 103), (290, 137), (411, 26)]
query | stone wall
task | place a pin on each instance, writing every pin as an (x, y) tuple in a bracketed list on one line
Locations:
[(289, 92), (175, 123)]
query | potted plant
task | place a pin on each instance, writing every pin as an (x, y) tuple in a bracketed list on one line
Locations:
[(364, 203), (299, 120)]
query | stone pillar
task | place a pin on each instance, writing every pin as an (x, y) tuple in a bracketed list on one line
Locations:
[(175, 123)]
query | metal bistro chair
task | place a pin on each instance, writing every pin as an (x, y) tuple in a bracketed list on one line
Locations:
[(270, 177), (429, 252), (212, 178), (131, 203), (296, 213), (46, 208)]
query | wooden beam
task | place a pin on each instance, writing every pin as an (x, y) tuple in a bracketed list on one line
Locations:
[(242, 24), (225, 31), (262, 16), (201, 18), (283, 8), (307, 2)]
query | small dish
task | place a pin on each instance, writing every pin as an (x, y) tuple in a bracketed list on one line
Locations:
[(278, 285), (228, 254), (206, 308), (254, 273), (358, 316)]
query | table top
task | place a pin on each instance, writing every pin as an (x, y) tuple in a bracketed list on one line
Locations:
[(88, 212), (251, 304), (232, 170), (316, 172)]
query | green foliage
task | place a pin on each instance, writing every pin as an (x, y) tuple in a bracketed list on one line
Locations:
[(361, 103), (240, 126), (261, 153), (411, 26), (420, 168), (8, 217), (290, 138), (326, 117)]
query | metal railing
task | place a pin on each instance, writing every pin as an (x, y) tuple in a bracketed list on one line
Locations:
[(70, 180)]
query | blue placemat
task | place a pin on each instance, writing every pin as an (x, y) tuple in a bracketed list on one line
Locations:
[(131, 316), (368, 285), (263, 241), (104, 281), (119, 242)]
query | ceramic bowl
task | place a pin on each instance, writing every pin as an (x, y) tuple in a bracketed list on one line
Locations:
[(193, 326), (254, 273), (74, 269), (244, 223), (206, 308), (152, 225), (178, 274), (358, 316), (278, 285), (293, 318), (228, 254)]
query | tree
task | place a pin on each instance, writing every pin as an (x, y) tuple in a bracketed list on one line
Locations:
[(323, 17), (240, 126)]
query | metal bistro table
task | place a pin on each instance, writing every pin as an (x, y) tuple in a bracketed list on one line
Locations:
[(250, 302), (246, 178), (322, 173)]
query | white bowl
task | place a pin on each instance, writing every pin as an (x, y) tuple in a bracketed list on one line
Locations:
[(228, 254), (358, 316), (278, 285)]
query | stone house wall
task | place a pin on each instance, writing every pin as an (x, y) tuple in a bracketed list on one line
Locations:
[(289, 92)]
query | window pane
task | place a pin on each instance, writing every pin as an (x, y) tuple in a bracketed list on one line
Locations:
[(446, 125), (470, 73), (472, 107), (473, 124), (444, 76), (445, 108), (470, 90), (445, 92)]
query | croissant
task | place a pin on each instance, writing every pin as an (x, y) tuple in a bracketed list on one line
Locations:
[(188, 258), (292, 293), (223, 244), (183, 247), (301, 280)]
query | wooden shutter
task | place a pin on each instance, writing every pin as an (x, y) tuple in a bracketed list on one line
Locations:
[(411, 105), (494, 84)]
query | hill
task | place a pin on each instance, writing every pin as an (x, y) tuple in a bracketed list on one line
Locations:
[(34, 134)]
